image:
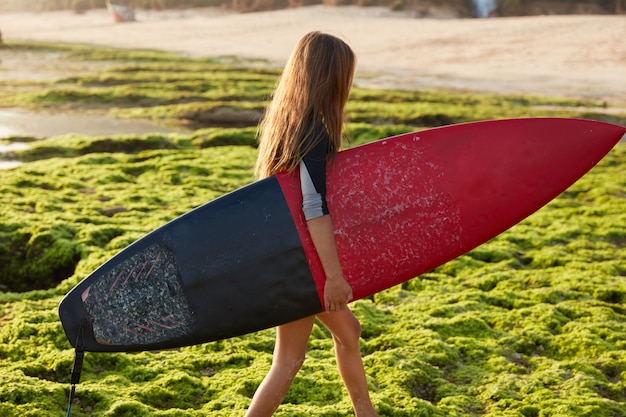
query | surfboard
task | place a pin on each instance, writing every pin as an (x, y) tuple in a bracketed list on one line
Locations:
[(400, 206)]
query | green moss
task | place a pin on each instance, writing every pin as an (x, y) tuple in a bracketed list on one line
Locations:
[(37, 257), (72, 146), (204, 138), (529, 324), (174, 89)]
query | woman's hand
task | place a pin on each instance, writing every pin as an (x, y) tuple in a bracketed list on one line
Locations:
[(337, 293)]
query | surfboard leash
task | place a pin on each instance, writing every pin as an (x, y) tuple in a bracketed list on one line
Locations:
[(77, 366)]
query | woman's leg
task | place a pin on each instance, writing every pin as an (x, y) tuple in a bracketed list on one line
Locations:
[(346, 331), (289, 353)]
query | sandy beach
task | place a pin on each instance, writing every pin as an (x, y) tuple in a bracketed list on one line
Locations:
[(578, 56)]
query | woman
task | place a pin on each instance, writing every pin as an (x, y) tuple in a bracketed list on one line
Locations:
[(302, 127)]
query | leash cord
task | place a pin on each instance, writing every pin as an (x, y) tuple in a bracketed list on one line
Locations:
[(77, 367)]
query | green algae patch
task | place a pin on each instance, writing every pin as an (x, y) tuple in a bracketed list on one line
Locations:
[(69, 146), (205, 138), (37, 257), (530, 324), (71, 205), (200, 92)]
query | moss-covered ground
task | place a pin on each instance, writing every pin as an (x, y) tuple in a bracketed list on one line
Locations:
[(530, 324)]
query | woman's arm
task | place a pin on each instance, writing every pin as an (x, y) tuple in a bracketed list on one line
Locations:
[(337, 291)]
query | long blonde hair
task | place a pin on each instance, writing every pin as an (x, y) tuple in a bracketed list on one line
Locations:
[(312, 89)]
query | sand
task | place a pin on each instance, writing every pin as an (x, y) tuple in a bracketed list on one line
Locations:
[(581, 56)]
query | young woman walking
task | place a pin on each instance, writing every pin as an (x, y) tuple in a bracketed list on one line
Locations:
[(302, 127)]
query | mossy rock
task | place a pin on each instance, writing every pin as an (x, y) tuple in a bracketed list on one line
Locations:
[(72, 146), (36, 257), (221, 116), (206, 138)]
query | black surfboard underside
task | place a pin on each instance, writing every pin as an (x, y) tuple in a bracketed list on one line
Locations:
[(232, 266)]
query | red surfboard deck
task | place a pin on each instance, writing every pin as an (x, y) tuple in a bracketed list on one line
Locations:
[(400, 206), (407, 204)]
